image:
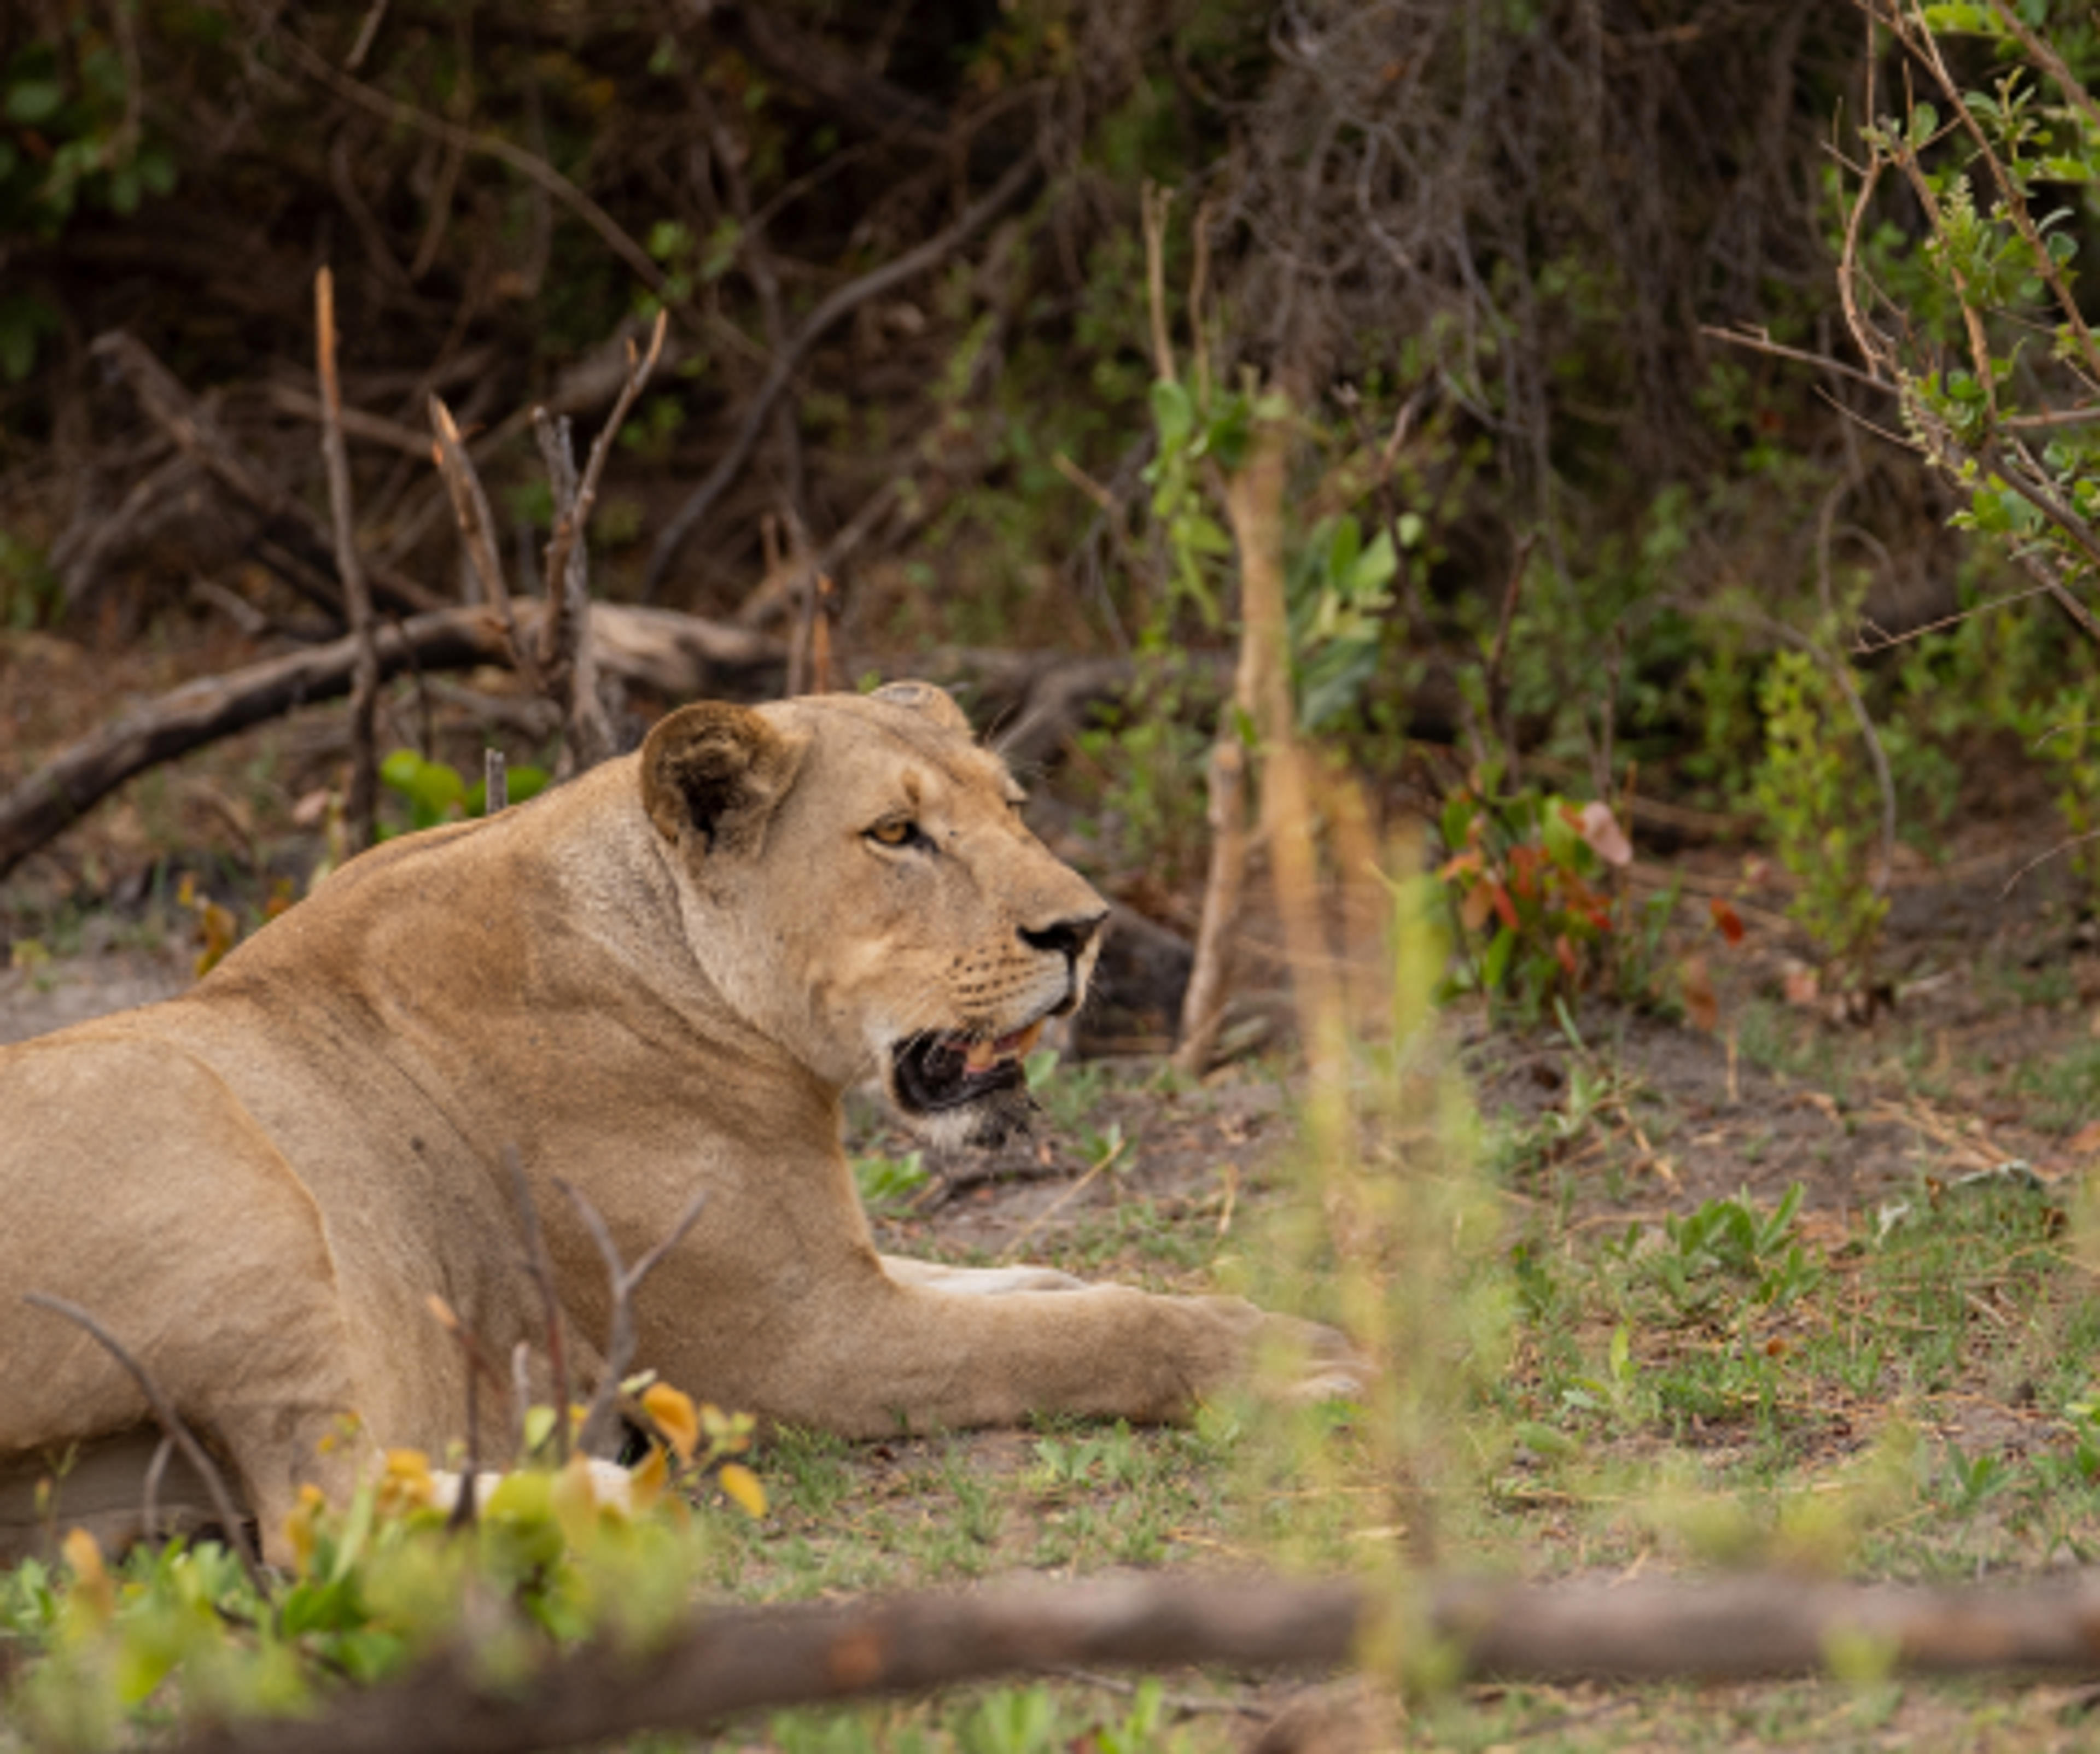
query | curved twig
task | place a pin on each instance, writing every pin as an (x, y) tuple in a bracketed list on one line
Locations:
[(170, 1422)]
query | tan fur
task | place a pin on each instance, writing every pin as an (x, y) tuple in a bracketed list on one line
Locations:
[(657, 979)]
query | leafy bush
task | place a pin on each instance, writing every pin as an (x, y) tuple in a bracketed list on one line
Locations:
[(1810, 792), (1529, 874)]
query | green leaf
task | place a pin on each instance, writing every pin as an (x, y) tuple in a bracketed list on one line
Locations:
[(34, 100), (527, 781), (157, 169), (1204, 535), (399, 769), (1344, 542), (1621, 1354), (539, 1426), (1924, 123), (1545, 1441), (1372, 571), (1172, 413), (1494, 966)]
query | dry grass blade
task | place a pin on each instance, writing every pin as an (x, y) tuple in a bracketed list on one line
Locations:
[(542, 1270), (360, 808)]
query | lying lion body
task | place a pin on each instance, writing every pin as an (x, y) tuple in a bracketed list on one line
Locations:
[(657, 979)]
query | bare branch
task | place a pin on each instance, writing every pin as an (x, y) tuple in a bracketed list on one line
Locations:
[(536, 170), (1758, 340), (170, 1422), (1498, 696), (360, 808), (572, 518), (1224, 888), (1153, 202), (624, 1281), (477, 528), (846, 300), (568, 658)]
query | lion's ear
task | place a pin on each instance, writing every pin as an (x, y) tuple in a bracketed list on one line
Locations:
[(936, 703), (718, 772)]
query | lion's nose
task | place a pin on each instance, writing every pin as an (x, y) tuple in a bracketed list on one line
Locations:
[(1068, 938)]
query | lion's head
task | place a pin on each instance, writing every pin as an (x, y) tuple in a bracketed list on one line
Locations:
[(857, 882)]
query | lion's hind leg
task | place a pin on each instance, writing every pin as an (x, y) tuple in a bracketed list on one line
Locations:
[(138, 1189)]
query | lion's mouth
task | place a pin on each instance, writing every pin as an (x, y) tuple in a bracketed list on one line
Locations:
[(945, 1068)]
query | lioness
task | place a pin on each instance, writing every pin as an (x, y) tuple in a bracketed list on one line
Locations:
[(659, 978)]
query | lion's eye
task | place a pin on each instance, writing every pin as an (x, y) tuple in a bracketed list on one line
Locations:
[(899, 832)]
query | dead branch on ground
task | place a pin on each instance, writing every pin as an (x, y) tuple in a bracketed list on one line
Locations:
[(175, 1430), (360, 808), (726, 1660), (667, 652)]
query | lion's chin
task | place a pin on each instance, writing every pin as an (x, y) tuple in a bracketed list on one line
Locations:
[(956, 1090)]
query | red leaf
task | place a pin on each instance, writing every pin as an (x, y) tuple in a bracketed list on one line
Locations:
[(1566, 952), (1729, 921), (1606, 839), (1505, 908), (1474, 910)]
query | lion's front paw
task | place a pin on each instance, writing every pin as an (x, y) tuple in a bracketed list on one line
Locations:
[(1306, 1362)]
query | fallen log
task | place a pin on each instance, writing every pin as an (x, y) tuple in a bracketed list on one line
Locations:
[(673, 654), (724, 1660), (1027, 702)]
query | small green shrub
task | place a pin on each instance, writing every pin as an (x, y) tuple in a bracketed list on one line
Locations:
[(1810, 790)]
